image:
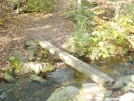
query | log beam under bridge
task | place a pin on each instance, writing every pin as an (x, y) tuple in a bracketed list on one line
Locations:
[(91, 72)]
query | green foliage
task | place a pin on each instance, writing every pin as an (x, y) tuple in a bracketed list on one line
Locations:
[(40, 5), (129, 9), (15, 64), (46, 57), (84, 20), (96, 37)]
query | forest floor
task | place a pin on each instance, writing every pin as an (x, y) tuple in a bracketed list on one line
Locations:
[(53, 27)]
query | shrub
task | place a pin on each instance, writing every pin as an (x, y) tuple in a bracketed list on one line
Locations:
[(40, 5), (95, 37)]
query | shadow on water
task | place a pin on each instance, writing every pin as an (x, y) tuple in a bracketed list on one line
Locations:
[(26, 90), (116, 66)]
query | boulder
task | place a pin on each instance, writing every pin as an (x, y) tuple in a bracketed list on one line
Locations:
[(68, 93), (127, 97), (90, 90)]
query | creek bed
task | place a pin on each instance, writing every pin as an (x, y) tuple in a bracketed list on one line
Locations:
[(26, 90)]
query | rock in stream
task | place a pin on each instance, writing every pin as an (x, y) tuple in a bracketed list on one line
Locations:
[(62, 75)]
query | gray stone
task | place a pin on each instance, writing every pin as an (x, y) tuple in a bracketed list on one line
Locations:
[(31, 54), (35, 67), (127, 97), (9, 78), (127, 87), (64, 94), (114, 85), (36, 78), (20, 55), (109, 93), (29, 43), (129, 78)]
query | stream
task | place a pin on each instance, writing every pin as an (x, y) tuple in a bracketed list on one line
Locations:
[(116, 66), (26, 90)]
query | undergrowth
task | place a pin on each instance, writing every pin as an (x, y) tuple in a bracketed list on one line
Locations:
[(98, 34)]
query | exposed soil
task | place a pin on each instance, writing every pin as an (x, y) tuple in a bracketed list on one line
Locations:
[(53, 27)]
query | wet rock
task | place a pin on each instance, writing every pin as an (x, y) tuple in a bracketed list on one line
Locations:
[(36, 78), (9, 78), (114, 85), (129, 78), (64, 94), (127, 87), (109, 93), (61, 75), (127, 97)]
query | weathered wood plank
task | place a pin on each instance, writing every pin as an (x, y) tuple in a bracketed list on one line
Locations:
[(93, 73)]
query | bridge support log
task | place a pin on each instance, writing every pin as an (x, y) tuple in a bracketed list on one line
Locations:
[(91, 72)]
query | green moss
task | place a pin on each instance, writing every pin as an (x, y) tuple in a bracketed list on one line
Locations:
[(15, 64)]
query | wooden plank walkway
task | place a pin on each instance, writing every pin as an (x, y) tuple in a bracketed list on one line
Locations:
[(91, 72)]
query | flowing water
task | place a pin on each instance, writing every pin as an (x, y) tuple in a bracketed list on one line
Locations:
[(26, 90), (116, 66)]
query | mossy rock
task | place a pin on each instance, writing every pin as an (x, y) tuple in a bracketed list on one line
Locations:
[(37, 78), (9, 78)]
